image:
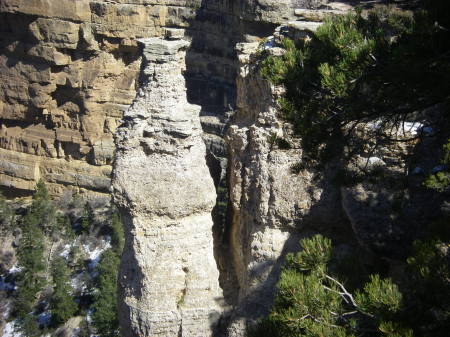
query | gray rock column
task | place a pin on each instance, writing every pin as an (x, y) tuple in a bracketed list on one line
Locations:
[(168, 278)]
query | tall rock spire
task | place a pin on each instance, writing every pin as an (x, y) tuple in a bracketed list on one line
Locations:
[(168, 278)]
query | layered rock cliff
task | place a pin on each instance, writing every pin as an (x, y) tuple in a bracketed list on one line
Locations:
[(69, 70)]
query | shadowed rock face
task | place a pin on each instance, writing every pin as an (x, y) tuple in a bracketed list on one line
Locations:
[(169, 278)]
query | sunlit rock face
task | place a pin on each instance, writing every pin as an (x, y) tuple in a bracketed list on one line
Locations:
[(169, 278), (69, 69)]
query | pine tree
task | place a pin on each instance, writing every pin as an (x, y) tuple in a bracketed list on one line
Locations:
[(30, 326), (312, 302), (88, 218), (62, 304), (42, 208), (105, 317), (117, 234), (30, 254)]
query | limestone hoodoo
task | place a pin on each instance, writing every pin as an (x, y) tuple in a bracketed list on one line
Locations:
[(169, 278)]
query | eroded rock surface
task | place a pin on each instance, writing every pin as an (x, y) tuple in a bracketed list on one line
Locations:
[(272, 206), (169, 278), (68, 71)]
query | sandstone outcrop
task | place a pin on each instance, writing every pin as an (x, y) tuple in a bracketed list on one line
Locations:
[(169, 278), (68, 71)]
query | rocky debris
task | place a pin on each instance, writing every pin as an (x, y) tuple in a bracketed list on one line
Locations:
[(165, 193)]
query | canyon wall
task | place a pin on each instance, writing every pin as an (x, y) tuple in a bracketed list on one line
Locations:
[(69, 69), (192, 119)]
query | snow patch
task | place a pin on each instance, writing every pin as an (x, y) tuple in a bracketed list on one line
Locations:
[(96, 253), (78, 282), (10, 331), (15, 269), (66, 251), (375, 125), (375, 161), (269, 43), (7, 310), (414, 128)]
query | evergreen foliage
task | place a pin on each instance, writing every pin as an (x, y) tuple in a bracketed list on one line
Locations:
[(42, 211), (440, 181), (30, 326), (6, 215), (88, 218), (105, 317), (427, 287), (46, 230), (30, 253), (357, 69), (117, 234), (62, 304), (311, 302)]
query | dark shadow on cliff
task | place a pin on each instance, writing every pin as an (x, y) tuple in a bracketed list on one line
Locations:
[(211, 71)]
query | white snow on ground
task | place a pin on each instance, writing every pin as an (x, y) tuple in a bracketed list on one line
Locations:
[(375, 161), (95, 254), (375, 125), (66, 251), (270, 43), (412, 127), (7, 310), (89, 315), (78, 282), (15, 269), (10, 331)]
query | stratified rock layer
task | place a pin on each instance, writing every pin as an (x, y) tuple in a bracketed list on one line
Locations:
[(68, 71), (169, 278), (69, 68)]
